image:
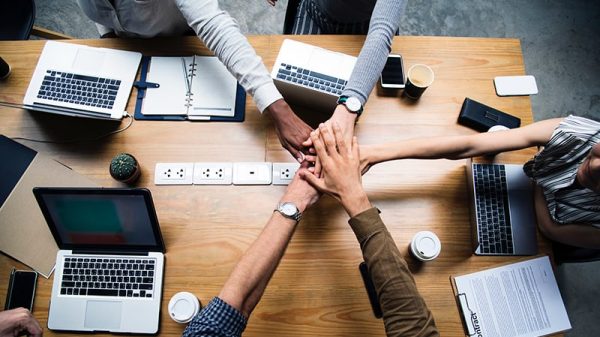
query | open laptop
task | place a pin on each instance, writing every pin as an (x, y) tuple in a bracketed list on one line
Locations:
[(502, 210), (311, 76), (82, 81), (109, 269)]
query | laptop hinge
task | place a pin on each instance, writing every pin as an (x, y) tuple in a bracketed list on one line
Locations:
[(113, 252)]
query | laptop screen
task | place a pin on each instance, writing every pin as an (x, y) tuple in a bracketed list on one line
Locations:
[(100, 218)]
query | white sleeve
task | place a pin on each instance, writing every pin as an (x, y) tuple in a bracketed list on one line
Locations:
[(221, 34)]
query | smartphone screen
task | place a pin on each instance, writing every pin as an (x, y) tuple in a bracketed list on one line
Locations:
[(21, 290), (392, 75)]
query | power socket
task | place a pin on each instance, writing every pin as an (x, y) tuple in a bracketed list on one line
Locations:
[(173, 173), (252, 173), (283, 173), (213, 173)]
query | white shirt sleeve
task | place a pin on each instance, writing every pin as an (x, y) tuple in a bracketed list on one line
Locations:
[(221, 34)]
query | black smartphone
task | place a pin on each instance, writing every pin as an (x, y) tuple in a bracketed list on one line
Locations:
[(373, 298), (21, 289), (392, 76)]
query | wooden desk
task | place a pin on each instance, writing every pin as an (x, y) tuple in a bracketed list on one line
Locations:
[(317, 289)]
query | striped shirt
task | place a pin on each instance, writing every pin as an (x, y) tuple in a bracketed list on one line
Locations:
[(554, 169)]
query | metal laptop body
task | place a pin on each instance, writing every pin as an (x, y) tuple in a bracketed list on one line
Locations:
[(311, 76), (520, 215), (82, 81), (96, 230)]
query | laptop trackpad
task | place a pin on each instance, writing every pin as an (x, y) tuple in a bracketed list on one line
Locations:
[(103, 315), (88, 61)]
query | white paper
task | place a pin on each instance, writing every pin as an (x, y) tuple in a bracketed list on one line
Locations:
[(170, 97), (213, 88), (520, 299)]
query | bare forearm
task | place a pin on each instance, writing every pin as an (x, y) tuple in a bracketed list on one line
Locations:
[(458, 147), (251, 275)]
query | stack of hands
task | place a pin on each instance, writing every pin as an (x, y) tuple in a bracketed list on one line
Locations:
[(295, 135), (336, 171)]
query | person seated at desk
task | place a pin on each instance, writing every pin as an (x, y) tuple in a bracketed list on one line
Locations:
[(566, 172), (19, 321), (404, 311), (220, 33)]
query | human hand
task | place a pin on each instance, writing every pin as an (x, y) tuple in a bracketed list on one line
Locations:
[(291, 130), (272, 2), (365, 158), (342, 117), (16, 321), (300, 192), (340, 160)]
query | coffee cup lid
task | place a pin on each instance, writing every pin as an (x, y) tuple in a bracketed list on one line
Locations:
[(498, 128), (426, 245), (183, 306)]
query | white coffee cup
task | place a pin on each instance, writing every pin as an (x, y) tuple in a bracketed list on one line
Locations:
[(425, 246), (498, 128), (183, 307)]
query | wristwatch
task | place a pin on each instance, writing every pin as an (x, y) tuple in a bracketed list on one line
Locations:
[(352, 104), (289, 210)]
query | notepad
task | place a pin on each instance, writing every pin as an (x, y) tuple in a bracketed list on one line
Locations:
[(193, 86), (519, 299)]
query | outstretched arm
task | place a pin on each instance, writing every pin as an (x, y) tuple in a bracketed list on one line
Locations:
[(250, 276), (404, 310), (458, 147), (221, 34), (571, 234)]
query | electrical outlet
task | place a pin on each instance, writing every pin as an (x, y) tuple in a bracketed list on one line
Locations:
[(213, 173), (252, 173), (173, 173), (283, 173)]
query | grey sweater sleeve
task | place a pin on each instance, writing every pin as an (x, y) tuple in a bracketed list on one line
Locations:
[(384, 24)]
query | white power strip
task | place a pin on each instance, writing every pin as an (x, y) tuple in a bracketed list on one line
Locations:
[(224, 173)]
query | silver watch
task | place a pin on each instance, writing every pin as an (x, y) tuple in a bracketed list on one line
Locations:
[(289, 210)]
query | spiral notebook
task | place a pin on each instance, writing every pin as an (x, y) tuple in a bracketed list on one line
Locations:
[(188, 88)]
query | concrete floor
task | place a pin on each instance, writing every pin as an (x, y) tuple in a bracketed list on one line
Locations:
[(560, 46)]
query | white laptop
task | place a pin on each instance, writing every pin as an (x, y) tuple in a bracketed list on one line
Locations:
[(82, 81), (311, 76), (109, 269), (502, 210)]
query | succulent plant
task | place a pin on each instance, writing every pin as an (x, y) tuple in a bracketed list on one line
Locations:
[(125, 168)]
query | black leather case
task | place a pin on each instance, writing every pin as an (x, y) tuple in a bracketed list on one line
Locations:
[(481, 117)]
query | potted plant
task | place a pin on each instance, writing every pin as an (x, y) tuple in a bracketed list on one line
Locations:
[(125, 168)]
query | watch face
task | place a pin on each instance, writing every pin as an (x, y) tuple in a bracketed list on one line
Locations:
[(288, 209), (353, 104)]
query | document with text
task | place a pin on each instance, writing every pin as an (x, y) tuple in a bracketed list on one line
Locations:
[(520, 299)]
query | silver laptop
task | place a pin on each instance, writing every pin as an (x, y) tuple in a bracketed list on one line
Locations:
[(311, 76), (502, 210), (82, 81), (109, 269)]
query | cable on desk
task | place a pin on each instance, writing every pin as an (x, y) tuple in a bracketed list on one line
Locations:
[(18, 106)]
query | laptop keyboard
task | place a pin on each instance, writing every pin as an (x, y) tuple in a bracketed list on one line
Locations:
[(79, 89), (122, 277), (491, 196), (311, 79)]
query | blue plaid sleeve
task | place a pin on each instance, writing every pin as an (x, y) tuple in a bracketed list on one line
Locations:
[(217, 319)]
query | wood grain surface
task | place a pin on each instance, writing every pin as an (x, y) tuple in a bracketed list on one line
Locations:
[(317, 289)]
